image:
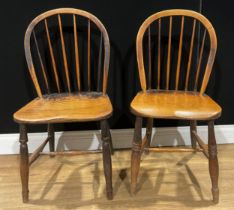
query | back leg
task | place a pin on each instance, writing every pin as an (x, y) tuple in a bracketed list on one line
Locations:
[(147, 139), (213, 161), (50, 129), (107, 165), (193, 128), (110, 138), (136, 153)]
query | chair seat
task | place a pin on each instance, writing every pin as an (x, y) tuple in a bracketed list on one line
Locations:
[(57, 108), (175, 105)]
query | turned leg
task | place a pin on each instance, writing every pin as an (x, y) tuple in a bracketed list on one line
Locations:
[(136, 153), (213, 161), (107, 159), (50, 130), (24, 162), (110, 139), (193, 128)]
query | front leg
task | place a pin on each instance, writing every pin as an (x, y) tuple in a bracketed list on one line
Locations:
[(213, 161), (24, 162), (136, 153), (106, 152)]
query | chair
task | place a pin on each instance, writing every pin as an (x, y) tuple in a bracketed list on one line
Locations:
[(179, 92), (62, 46)]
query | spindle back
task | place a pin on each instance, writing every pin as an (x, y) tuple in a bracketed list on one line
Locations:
[(163, 49), (67, 77)]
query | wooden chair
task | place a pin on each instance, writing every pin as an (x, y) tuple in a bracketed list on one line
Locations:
[(66, 92), (179, 96)]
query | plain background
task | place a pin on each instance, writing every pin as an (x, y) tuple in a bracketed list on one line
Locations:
[(122, 20)]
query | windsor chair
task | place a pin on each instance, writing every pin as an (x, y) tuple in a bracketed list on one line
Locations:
[(66, 92), (175, 94)]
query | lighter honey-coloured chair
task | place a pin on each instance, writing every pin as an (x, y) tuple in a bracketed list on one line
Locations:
[(64, 79), (182, 94)]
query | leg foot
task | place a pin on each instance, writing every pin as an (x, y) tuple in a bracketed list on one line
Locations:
[(107, 165), (213, 162), (136, 154), (24, 162)]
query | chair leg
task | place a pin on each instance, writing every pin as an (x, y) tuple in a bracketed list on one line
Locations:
[(110, 138), (24, 162), (148, 133), (136, 153), (193, 127), (213, 161), (50, 129), (107, 165)]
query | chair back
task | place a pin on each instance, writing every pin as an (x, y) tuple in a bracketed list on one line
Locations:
[(67, 50), (168, 40)]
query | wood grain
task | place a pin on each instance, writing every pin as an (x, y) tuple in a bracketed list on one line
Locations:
[(172, 149), (179, 53), (71, 152), (99, 64), (190, 55), (64, 53), (51, 55), (65, 108), (169, 54), (149, 59), (175, 105), (76, 52), (41, 63), (159, 52), (88, 55), (173, 181), (199, 61)]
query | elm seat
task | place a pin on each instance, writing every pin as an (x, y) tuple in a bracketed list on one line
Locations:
[(65, 108), (175, 105)]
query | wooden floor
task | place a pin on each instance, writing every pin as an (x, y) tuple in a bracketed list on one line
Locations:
[(166, 181)]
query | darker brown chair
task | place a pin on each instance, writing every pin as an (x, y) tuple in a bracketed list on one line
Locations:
[(179, 93), (60, 55)]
